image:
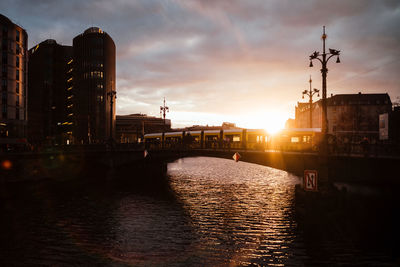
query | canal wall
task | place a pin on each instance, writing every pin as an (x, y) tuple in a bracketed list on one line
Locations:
[(331, 168)]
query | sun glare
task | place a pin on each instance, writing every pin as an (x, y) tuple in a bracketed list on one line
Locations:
[(272, 122), (273, 126)]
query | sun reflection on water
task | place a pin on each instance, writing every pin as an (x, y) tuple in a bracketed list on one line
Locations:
[(241, 212)]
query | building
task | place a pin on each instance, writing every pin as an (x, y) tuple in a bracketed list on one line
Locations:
[(131, 128), (290, 123), (347, 114), (93, 82), (13, 76), (389, 126), (394, 121), (50, 84), (302, 115)]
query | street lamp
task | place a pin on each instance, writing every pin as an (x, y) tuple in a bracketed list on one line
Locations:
[(310, 94), (163, 110), (324, 58), (112, 95)]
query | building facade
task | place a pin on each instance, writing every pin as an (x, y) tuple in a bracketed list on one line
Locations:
[(50, 84), (13, 77), (132, 128), (93, 83), (347, 114)]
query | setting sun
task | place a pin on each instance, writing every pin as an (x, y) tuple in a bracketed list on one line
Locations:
[(271, 121)]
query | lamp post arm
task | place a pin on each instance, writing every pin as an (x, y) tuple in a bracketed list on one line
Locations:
[(330, 57), (320, 60)]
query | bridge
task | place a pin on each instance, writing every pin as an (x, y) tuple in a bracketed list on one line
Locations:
[(96, 161)]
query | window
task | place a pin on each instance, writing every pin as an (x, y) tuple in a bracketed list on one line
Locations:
[(4, 72), (4, 84), (236, 138), (4, 44), (98, 41), (5, 57), (4, 97), (17, 36), (17, 49), (4, 110), (97, 52), (96, 74), (5, 31), (17, 88), (294, 139), (17, 62), (17, 113), (17, 75), (17, 102)]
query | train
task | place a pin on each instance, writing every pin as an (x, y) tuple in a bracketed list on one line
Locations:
[(299, 139)]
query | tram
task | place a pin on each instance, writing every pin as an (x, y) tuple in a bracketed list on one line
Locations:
[(297, 139), (209, 139)]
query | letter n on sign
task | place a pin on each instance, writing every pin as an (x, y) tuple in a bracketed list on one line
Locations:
[(310, 180)]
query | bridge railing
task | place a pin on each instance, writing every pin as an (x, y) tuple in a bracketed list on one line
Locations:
[(348, 149)]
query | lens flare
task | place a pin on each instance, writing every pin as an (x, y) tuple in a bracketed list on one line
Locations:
[(6, 164)]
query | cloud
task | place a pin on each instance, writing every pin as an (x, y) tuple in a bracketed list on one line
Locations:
[(210, 56)]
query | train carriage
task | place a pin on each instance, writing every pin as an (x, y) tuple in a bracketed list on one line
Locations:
[(173, 139), (233, 138), (211, 138), (153, 140), (256, 139), (297, 139), (193, 139), (300, 139)]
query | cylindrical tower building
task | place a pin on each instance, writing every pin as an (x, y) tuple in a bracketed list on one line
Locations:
[(93, 80)]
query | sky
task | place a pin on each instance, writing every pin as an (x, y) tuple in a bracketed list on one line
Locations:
[(245, 62)]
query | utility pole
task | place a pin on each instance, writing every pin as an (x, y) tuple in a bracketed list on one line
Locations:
[(310, 94)]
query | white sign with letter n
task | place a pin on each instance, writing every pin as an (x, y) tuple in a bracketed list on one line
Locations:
[(310, 180)]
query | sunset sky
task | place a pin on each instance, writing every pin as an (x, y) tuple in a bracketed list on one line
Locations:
[(239, 61)]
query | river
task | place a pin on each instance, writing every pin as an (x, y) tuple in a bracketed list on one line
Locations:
[(214, 212)]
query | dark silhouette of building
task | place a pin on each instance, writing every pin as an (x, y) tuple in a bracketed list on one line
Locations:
[(50, 86), (93, 79), (131, 128), (395, 125), (348, 114), (389, 126), (13, 77)]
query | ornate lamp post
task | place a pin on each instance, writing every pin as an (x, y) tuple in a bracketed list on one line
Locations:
[(112, 95), (324, 58), (310, 94), (163, 110)]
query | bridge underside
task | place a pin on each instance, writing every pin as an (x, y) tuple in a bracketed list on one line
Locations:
[(115, 163)]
